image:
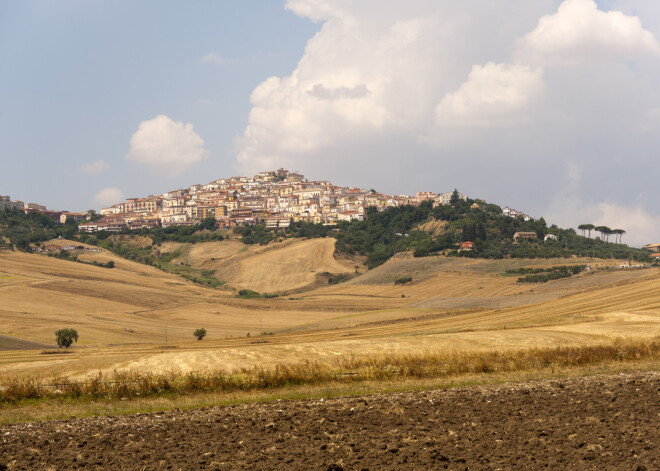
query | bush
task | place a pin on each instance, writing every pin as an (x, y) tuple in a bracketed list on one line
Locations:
[(200, 333), (65, 337), (403, 280), (249, 294), (543, 275), (338, 278)]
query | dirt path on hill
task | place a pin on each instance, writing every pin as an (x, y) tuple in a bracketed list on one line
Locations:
[(600, 422)]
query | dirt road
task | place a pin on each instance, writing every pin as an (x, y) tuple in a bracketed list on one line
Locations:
[(600, 422)]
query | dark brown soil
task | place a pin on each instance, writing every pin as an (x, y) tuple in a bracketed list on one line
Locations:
[(600, 422)]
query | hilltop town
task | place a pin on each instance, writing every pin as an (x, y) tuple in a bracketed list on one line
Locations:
[(275, 198)]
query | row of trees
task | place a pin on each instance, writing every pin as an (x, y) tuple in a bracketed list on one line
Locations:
[(605, 232)]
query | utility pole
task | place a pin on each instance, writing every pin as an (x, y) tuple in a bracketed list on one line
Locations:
[(166, 334)]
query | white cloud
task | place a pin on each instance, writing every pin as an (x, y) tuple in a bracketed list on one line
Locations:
[(108, 196), (439, 94), (641, 226), (493, 94), (213, 58), (316, 10), (94, 168), (366, 78), (578, 32), (165, 146)]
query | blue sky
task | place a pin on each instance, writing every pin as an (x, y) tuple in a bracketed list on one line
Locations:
[(79, 76), (550, 107)]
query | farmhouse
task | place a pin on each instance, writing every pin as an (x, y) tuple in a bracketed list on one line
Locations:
[(524, 235), (467, 246), (652, 247)]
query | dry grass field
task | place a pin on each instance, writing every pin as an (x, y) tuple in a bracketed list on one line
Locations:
[(124, 314), (277, 267)]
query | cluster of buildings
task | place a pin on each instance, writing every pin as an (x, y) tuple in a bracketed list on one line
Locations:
[(513, 213), (63, 248), (58, 217), (654, 249), (274, 197)]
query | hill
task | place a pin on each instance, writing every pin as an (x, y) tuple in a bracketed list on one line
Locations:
[(123, 314)]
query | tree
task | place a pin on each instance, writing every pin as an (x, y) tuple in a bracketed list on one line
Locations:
[(65, 337), (604, 231), (200, 333), (586, 227), (454, 197), (582, 227), (619, 232)]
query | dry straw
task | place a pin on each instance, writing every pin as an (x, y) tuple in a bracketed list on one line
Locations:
[(380, 367)]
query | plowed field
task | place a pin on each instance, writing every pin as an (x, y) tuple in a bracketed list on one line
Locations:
[(600, 422)]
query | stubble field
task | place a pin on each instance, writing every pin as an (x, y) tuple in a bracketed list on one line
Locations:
[(458, 321), (124, 316)]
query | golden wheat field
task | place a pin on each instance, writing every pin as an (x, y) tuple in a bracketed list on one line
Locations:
[(125, 315)]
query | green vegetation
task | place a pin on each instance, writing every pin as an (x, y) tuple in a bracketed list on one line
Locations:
[(255, 234), (204, 231), (196, 275), (24, 229), (65, 337), (334, 279), (384, 233), (251, 294), (543, 275), (248, 294), (200, 333), (403, 280), (380, 236)]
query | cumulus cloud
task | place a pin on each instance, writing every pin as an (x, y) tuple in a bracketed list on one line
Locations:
[(165, 146), (578, 32), (439, 94), (492, 94), (641, 226), (323, 93), (212, 58), (94, 168), (108, 196)]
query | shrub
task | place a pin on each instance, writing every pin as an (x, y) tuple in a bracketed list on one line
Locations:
[(403, 280), (200, 333), (249, 294), (65, 337)]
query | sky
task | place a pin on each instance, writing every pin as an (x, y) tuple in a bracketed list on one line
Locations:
[(550, 107)]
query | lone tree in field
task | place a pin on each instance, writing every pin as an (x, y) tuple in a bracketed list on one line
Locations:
[(200, 333), (65, 337)]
